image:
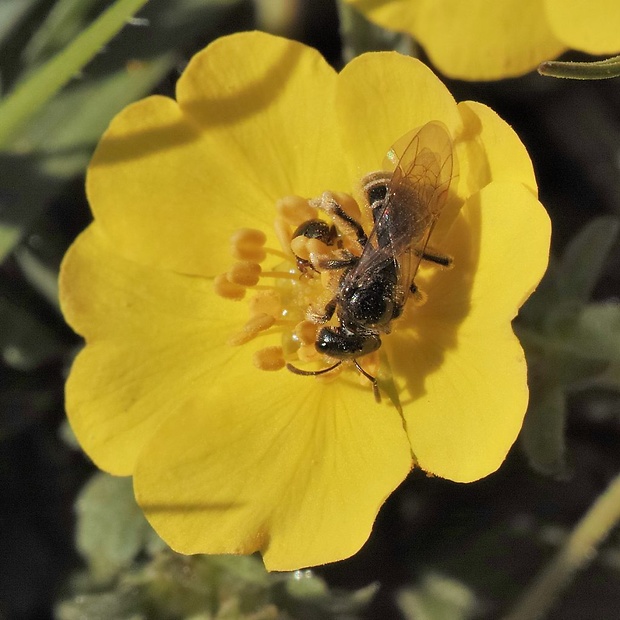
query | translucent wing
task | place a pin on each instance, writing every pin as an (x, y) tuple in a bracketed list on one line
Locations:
[(416, 193)]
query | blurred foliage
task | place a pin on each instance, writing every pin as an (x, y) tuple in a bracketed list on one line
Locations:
[(570, 342), (132, 575)]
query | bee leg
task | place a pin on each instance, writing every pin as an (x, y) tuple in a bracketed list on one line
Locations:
[(419, 298), (339, 263), (344, 222), (328, 313), (373, 380), (439, 259)]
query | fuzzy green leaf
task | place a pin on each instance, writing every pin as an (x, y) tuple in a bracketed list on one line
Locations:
[(583, 260), (111, 528)]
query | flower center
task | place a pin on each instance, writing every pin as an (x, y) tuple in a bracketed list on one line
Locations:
[(321, 239)]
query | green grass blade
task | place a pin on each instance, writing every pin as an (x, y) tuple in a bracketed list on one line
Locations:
[(27, 98)]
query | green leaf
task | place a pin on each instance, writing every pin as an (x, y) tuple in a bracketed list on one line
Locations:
[(543, 433), (27, 339), (437, 598), (63, 23), (31, 94), (111, 528), (117, 605), (11, 14), (360, 35), (583, 260)]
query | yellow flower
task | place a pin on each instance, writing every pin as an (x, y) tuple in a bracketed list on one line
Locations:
[(489, 40), (173, 387)]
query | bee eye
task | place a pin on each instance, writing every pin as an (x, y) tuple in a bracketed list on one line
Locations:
[(378, 192)]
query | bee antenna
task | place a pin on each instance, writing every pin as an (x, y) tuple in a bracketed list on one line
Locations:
[(311, 373), (373, 380)]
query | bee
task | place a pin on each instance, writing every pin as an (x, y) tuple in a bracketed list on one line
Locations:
[(375, 286)]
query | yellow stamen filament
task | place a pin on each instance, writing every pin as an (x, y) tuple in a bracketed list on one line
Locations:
[(251, 329), (280, 274), (227, 289), (269, 358), (295, 210), (245, 273)]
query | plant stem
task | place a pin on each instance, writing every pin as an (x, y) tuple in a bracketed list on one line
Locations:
[(577, 552)]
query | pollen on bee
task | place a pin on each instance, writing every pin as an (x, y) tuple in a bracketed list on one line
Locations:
[(305, 247), (269, 358), (295, 210), (306, 332), (257, 324), (244, 273), (349, 205), (227, 289), (247, 244)]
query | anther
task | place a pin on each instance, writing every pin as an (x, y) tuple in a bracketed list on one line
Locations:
[(269, 358), (295, 210), (251, 329), (283, 233), (227, 289), (245, 273), (247, 244)]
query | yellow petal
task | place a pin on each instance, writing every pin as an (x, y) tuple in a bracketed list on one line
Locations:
[(277, 463), (170, 190), (381, 97), (154, 338), (269, 101), (463, 368), (488, 150), (592, 27), (474, 40)]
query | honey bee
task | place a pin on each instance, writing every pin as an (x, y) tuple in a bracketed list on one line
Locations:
[(375, 286)]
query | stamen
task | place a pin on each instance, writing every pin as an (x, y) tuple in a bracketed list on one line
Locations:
[(280, 274), (251, 329), (247, 244), (283, 233), (227, 289), (245, 273), (269, 358), (295, 210), (280, 254)]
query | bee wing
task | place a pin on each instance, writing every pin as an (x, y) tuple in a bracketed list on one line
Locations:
[(417, 192)]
